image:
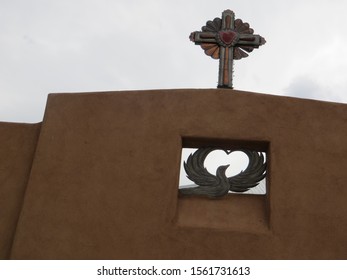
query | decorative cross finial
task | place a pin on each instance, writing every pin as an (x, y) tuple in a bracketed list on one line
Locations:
[(226, 39)]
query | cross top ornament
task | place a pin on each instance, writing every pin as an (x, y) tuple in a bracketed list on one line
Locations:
[(226, 39)]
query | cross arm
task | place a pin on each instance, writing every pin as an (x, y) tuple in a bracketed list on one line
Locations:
[(250, 40), (199, 37)]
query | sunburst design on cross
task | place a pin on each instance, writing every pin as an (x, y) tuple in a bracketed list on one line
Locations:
[(227, 39)]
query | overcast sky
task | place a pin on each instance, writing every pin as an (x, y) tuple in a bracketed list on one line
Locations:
[(102, 45)]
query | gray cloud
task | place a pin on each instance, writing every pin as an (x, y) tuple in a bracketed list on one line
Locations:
[(91, 45)]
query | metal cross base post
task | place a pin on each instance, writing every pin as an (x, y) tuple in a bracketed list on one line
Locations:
[(226, 39)]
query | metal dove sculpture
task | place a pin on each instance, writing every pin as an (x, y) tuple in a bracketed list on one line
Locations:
[(219, 185)]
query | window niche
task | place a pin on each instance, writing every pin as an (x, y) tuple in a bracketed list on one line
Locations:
[(230, 200)]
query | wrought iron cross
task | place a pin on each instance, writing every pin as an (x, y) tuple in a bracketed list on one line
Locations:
[(226, 39)]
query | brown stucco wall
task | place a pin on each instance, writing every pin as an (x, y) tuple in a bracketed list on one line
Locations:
[(105, 175), (17, 147)]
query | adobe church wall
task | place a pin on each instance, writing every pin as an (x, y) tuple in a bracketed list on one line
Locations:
[(104, 180), (17, 148)]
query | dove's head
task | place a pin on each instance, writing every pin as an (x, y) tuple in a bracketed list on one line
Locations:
[(221, 170)]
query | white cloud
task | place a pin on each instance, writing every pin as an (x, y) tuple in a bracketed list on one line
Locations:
[(304, 87)]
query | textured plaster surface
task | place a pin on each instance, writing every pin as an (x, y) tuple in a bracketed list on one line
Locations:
[(17, 148)]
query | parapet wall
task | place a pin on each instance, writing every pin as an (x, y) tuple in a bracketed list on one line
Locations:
[(104, 179)]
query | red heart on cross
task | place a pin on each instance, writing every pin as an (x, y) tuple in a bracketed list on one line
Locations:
[(228, 37)]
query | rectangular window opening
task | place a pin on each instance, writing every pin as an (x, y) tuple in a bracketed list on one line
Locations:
[(233, 210), (227, 152), (237, 159)]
